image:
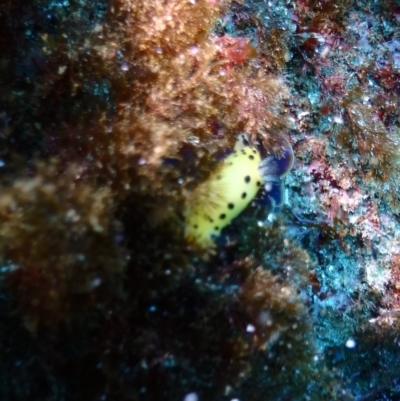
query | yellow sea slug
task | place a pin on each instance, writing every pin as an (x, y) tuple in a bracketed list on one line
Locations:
[(227, 192)]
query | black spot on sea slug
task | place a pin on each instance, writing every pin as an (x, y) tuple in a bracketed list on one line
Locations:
[(222, 216), (244, 195), (251, 157), (196, 226), (258, 183), (216, 228), (247, 179), (254, 151), (231, 206)]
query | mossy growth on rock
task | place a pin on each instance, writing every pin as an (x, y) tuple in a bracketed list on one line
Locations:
[(127, 117), (60, 242)]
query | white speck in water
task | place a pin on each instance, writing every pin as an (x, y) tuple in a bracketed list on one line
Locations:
[(72, 216), (268, 186), (62, 69), (191, 397), (94, 283), (338, 119), (351, 343), (194, 49), (250, 328), (124, 66)]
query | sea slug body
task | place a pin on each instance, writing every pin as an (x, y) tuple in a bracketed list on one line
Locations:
[(228, 191)]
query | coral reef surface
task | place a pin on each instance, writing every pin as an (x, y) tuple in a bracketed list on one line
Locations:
[(118, 124)]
